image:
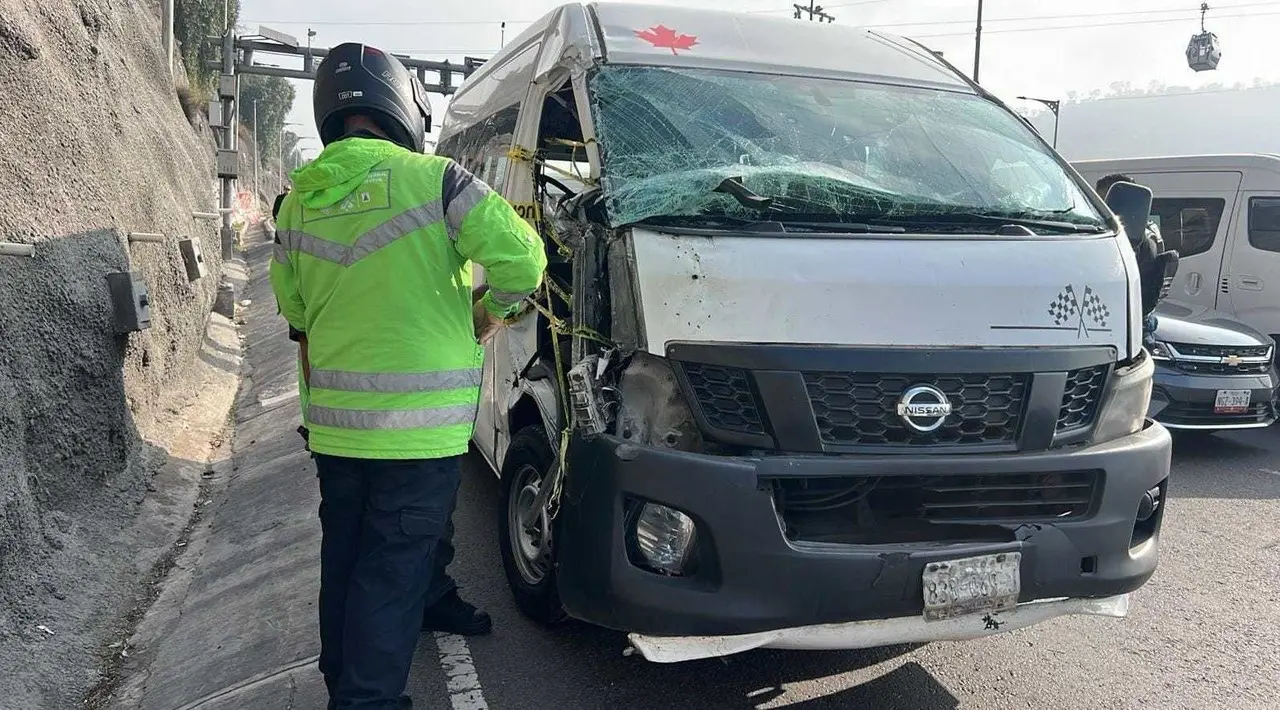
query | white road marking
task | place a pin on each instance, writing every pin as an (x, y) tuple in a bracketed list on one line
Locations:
[(461, 680)]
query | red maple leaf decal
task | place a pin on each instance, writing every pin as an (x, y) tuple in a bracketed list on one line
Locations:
[(663, 36)]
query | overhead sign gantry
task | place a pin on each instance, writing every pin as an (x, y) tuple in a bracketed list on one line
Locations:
[(239, 56)]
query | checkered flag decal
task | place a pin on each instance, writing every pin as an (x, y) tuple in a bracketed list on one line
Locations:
[(1064, 307), (1094, 309)]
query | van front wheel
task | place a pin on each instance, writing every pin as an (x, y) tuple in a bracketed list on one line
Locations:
[(525, 535)]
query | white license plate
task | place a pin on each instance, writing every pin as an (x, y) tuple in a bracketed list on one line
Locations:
[(1232, 401), (973, 585)]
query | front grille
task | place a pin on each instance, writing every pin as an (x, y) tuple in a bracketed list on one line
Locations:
[(724, 395), (1201, 414), (1221, 368), (1081, 397), (871, 509), (1222, 350), (860, 409)]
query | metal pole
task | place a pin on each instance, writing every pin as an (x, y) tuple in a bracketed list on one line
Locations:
[(977, 44), (257, 154), (228, 143), (1055, 125), (13, 249)]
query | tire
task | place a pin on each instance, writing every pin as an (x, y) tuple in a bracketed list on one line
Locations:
[(529, 458)]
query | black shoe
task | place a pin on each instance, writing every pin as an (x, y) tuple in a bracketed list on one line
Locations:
[(451, 615)]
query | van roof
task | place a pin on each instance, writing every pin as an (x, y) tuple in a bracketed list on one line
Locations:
[(675, 36), (1209, 161)]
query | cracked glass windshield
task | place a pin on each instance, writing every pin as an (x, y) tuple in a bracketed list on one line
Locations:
[(817, 150)]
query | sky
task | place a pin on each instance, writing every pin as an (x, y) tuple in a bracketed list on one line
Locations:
[(1039, 48)]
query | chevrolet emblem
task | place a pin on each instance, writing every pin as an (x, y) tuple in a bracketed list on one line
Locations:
[(1232, 360)]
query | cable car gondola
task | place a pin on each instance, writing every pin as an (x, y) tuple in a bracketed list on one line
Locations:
[(1203, 51)]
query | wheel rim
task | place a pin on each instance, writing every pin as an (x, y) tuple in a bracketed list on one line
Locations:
[(530, 529)]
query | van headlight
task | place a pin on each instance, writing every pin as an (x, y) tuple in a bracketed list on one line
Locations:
[(1124, 408)]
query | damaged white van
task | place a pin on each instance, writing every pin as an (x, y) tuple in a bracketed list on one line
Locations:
[(833, 351)]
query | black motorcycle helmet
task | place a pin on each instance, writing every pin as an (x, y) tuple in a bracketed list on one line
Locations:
[(356, 79)]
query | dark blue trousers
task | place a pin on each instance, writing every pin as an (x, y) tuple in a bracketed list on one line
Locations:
[(386, 542)]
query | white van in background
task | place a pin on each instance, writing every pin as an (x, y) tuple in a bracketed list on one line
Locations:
[(1222, 214)]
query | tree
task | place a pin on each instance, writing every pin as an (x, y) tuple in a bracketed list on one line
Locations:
[(274, 97), (195, 24)]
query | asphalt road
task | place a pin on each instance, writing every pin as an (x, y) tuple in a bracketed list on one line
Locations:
[(1203, 633)]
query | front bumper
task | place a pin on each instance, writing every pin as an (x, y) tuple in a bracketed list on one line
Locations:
[(1181, 400), (875, 632), (752, 579)]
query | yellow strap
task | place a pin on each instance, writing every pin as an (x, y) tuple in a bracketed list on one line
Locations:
[(524, 155)]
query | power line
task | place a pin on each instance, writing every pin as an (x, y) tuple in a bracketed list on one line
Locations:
[(1100, 26), (377, 23), (1128, 13), (1006, 30), (1034, 18), (985, 31)]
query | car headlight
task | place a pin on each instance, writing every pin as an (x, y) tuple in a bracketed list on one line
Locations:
[(1159, 351), (1124, 408)]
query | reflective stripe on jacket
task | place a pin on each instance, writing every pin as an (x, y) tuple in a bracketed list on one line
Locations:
[(372, 262)]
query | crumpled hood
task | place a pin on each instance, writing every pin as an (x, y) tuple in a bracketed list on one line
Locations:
[(339, 170)]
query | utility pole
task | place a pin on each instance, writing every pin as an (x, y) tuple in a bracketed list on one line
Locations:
[(815, 13), (977, 44), (1053, 105), (280, 157), (504, 36), (228, 169), (257, 154), (280, 153)]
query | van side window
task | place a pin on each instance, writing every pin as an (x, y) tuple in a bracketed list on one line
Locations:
[(482, 148), (1264, 223), (1194, 219)]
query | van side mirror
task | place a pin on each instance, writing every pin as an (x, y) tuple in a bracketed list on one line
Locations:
[(1156, 265), (1132, 204)]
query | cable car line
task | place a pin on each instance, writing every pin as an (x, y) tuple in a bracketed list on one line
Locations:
[(1103, 26), (1126, 13)]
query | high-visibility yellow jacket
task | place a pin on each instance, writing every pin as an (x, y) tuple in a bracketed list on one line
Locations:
[(372, 262)]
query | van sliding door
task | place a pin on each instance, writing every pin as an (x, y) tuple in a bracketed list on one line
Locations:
[(1253, 276), (1194, 213)]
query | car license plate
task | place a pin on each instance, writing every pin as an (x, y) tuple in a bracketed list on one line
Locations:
[(973, 585), (1232, 401)]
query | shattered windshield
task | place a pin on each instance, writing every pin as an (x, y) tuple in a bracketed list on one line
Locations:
[(802, 148)]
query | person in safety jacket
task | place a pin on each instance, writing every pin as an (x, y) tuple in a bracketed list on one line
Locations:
[(372, 271), (294, 334)]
